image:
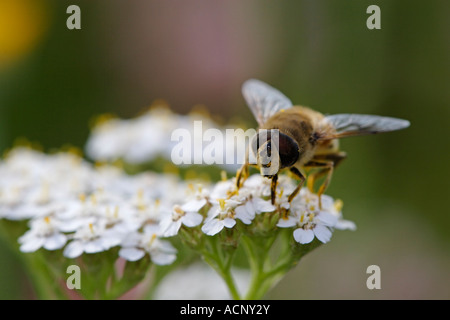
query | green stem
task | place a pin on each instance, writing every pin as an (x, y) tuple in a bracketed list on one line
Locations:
[(266, 274), (257, 249), (228, 278), (45, 281), (222, 264)]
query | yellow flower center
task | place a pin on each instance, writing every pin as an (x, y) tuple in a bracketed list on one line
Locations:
[(221, 203), (177, 213)]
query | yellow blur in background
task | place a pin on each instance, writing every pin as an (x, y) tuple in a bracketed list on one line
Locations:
[(23, 23)]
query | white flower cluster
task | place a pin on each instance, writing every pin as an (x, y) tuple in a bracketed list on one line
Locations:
[(75, 206), (226, 204), (144, 138)]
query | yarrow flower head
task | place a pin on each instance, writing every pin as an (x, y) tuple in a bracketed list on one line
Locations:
[(92, 237), (44, 232), (221, 215), (75, 206), (120, 227), (253, 206), (84, 209), (137, 244), (312, 222), (187, 215), (226, 204)]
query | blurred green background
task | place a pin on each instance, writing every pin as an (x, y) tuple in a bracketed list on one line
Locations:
[(318, 52)]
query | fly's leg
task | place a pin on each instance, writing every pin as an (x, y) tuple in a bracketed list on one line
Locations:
[(242, 175), (321, 161), (297, 172), (273, 188), (325, 168), (326, 164)]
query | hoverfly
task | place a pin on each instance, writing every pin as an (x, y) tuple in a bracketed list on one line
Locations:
[(306, 139)]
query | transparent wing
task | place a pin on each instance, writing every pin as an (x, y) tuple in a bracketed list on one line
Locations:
[(263, 100), (347, 125)]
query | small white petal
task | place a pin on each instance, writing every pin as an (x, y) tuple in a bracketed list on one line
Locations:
[(169, 227), (213, 212), (192, 219), (193, 205), (94, 246), (287, 222), (250, 207), (261, 205), (151, 229), (229, 223), (167, 247), (27, 236), (73, 249), (131, 254), (303, 236), (131, 239), (231, 203), (162, 258), (213, 227), (56, 241), (322, 233), (326, 218), (111, 240), (254, 181), (327, 202), (244, 214), (32, 244), (222, 188), (71, 225), (345, 225)]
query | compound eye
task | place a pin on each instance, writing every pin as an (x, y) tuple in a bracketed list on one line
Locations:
[(289, 151)]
